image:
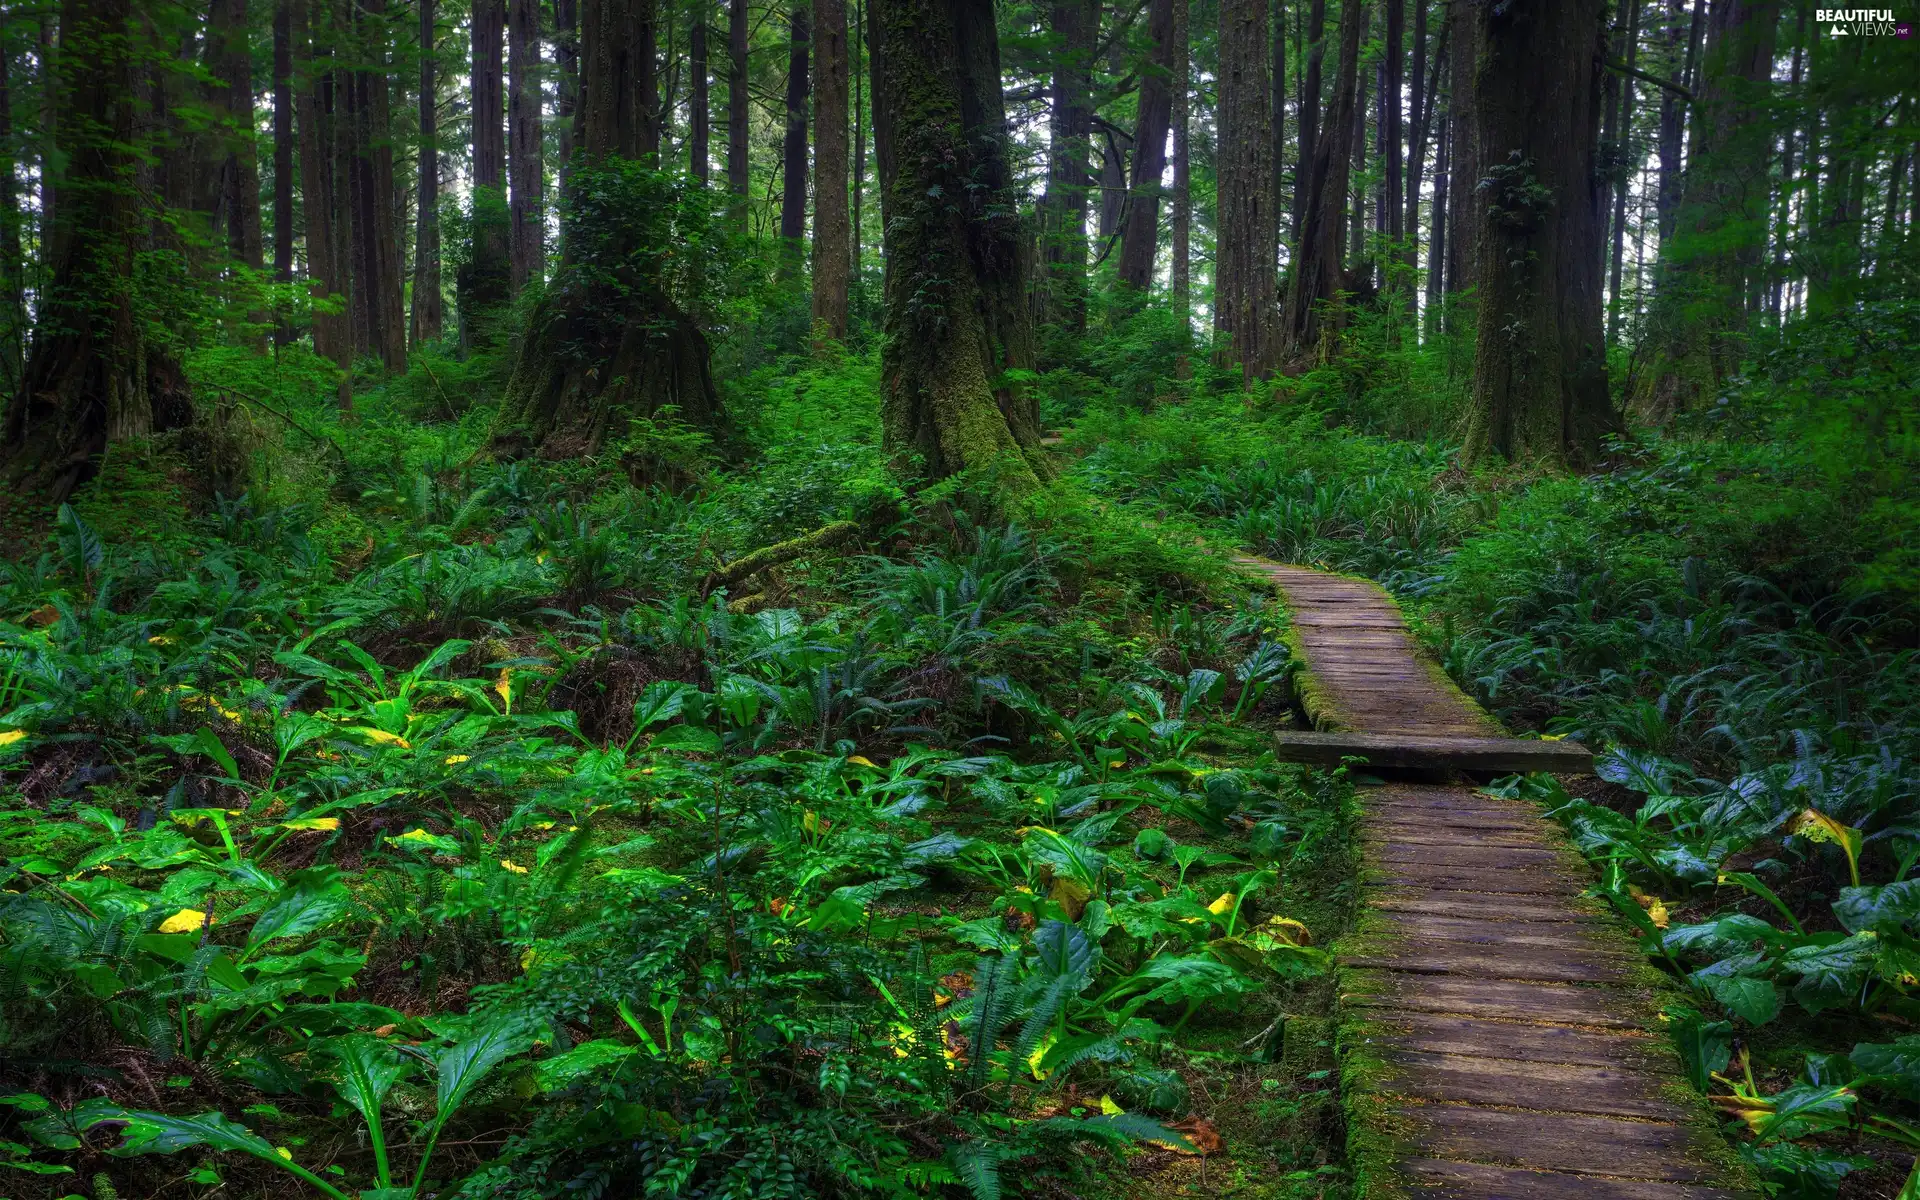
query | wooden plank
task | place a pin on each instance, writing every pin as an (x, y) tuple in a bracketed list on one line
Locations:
[(1468, 854), (1607, 1091), (1453, 902), (1405, 751), (1444, 1179), (1470, 879), (1425, 927), (1438, 1033), (1568, 1004), (1532, 963), (1626, 1149)]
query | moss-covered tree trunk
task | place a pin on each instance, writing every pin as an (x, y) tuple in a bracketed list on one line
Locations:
[(1315, 280), (1061, 297), (832, 237), (956, 301), (91, 378), (1540, 370), (1245, 289), (609, 342)]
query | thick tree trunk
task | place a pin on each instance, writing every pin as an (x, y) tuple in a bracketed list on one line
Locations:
[(859, 73), (321, 114), (90, 377), (486, 279), (1710, 266), (526, 149), (1244, 281), (956, 312), (1280, 205), (832, 257), (1114, 146), (13, 306), (1673, 117), (1463, 156), (1437, 232), (1180, 273), (1392, 139), (428, 318), (283, 147), (379, 310), (1540, 371), (1316, 50), (237, 201), (1359, 274), (1420, 107), (700, 99), (793, 147), (1312, 315), (566, 61), (1621, 156), (608, 343), (738, 102), (1061, 299), (1140, 240)]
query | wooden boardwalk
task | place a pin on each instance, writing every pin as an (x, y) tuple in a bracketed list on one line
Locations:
[(1498, 1037)]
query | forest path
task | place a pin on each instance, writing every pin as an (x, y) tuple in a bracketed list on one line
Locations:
[(1498, 1031)]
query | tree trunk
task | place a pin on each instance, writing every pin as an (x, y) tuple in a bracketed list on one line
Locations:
[(322, 120), (485, 280), (13, 306), (1280, 205), (1717, 251), (1621, 156), (793, 150), (609, 343), (1359, 275), (832, 258), (1462, 153), (428, 316), (1312, 315), (1420, 107), (90, 377), (1062, 295), (956, 311), (1180, 273), (1140, 240), (1316, 49), (1540, 371), (236, 199), (526, 149), (48, 55), (1437, 248), (1783, 222), (1673, 119), (1244, 282), (283, 146), (700, 101), (379, 311), (737, 104), (859, 73), (566, 61), (1392, 139)]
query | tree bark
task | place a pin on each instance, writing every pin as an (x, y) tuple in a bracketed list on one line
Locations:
[(956, 311), (609, 342), (1462, 151), (1280, 205), (1437, 248), (859, 73), (832, 256), (737, 104), (1180, 273), (1620, 157), (1392, 139), (90, 376), (1711, 264), (699, 101), (1312, 315), (1245, 281), (526, 148), (1062, 295), (1420, 107), (428, 317), (379, 311), (236, 199), (283, 147), (1673, 118), (793, 152), (1316, 49), (566, 61), (485, 280), (13, 306), (1140, 239), (321, 115), (1540, 371)]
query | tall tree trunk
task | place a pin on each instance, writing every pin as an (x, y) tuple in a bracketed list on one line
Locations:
[(321, 115), (1180, 274), (1359, 267), (48, 55), (236, 200), (1244, 281), (598, 351), (283, 147), (1280, 205), (738, 103), (485, 280), (793, 151), (1312, 316), (1673, 117), (1062, 295), (90, 375), (13, 306), (378, 288), (832, 257), (1463, 158), (1140, 239), (1113, 181), (1392, 136), (1621, 156), (859, 73), (1783, 222), (1718, 246), (699, 102), (956, 311), (428, 318), (1437, 230), (526, 148), (1540, 369), (1316, 51), (1420, 107), (566, 61)]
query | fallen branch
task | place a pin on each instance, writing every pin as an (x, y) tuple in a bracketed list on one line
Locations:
[(781, 552), (1655, 80), (322, 438)]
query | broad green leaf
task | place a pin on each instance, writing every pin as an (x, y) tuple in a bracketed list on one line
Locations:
[(369, 1068), (1755, 1001), (585, 1059), (1064, 949), (1894, 1065), (310, 900), (1886, 908), (1705, 1046), (1830, 973), (463, 1065)]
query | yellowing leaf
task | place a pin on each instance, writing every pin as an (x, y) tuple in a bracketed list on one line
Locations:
[(1070, 894), (160, 639), (1039, 1053), (9, 736), (381, 737), (503, 686), (283, 1152), (415, 835), (185, 921), (1817, 826), (860, 760), (1109, 1109), (1656, 909), (312, 824), (453, 760), (515, 867), (1220, 907), (810, 822)]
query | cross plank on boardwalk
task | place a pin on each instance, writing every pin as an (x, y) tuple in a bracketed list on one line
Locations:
[(1508, 1032)]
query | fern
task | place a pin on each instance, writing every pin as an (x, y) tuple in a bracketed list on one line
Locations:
[(978, 1168), (992, 997)]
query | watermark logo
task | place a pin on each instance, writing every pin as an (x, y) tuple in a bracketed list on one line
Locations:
[(1862, 22)]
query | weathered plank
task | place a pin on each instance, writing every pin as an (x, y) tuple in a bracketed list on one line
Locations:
[(1613, 1090), (1438, 1179), (1402, 751), (1600, 1008), (1499, 1040), (1567, 1142)]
